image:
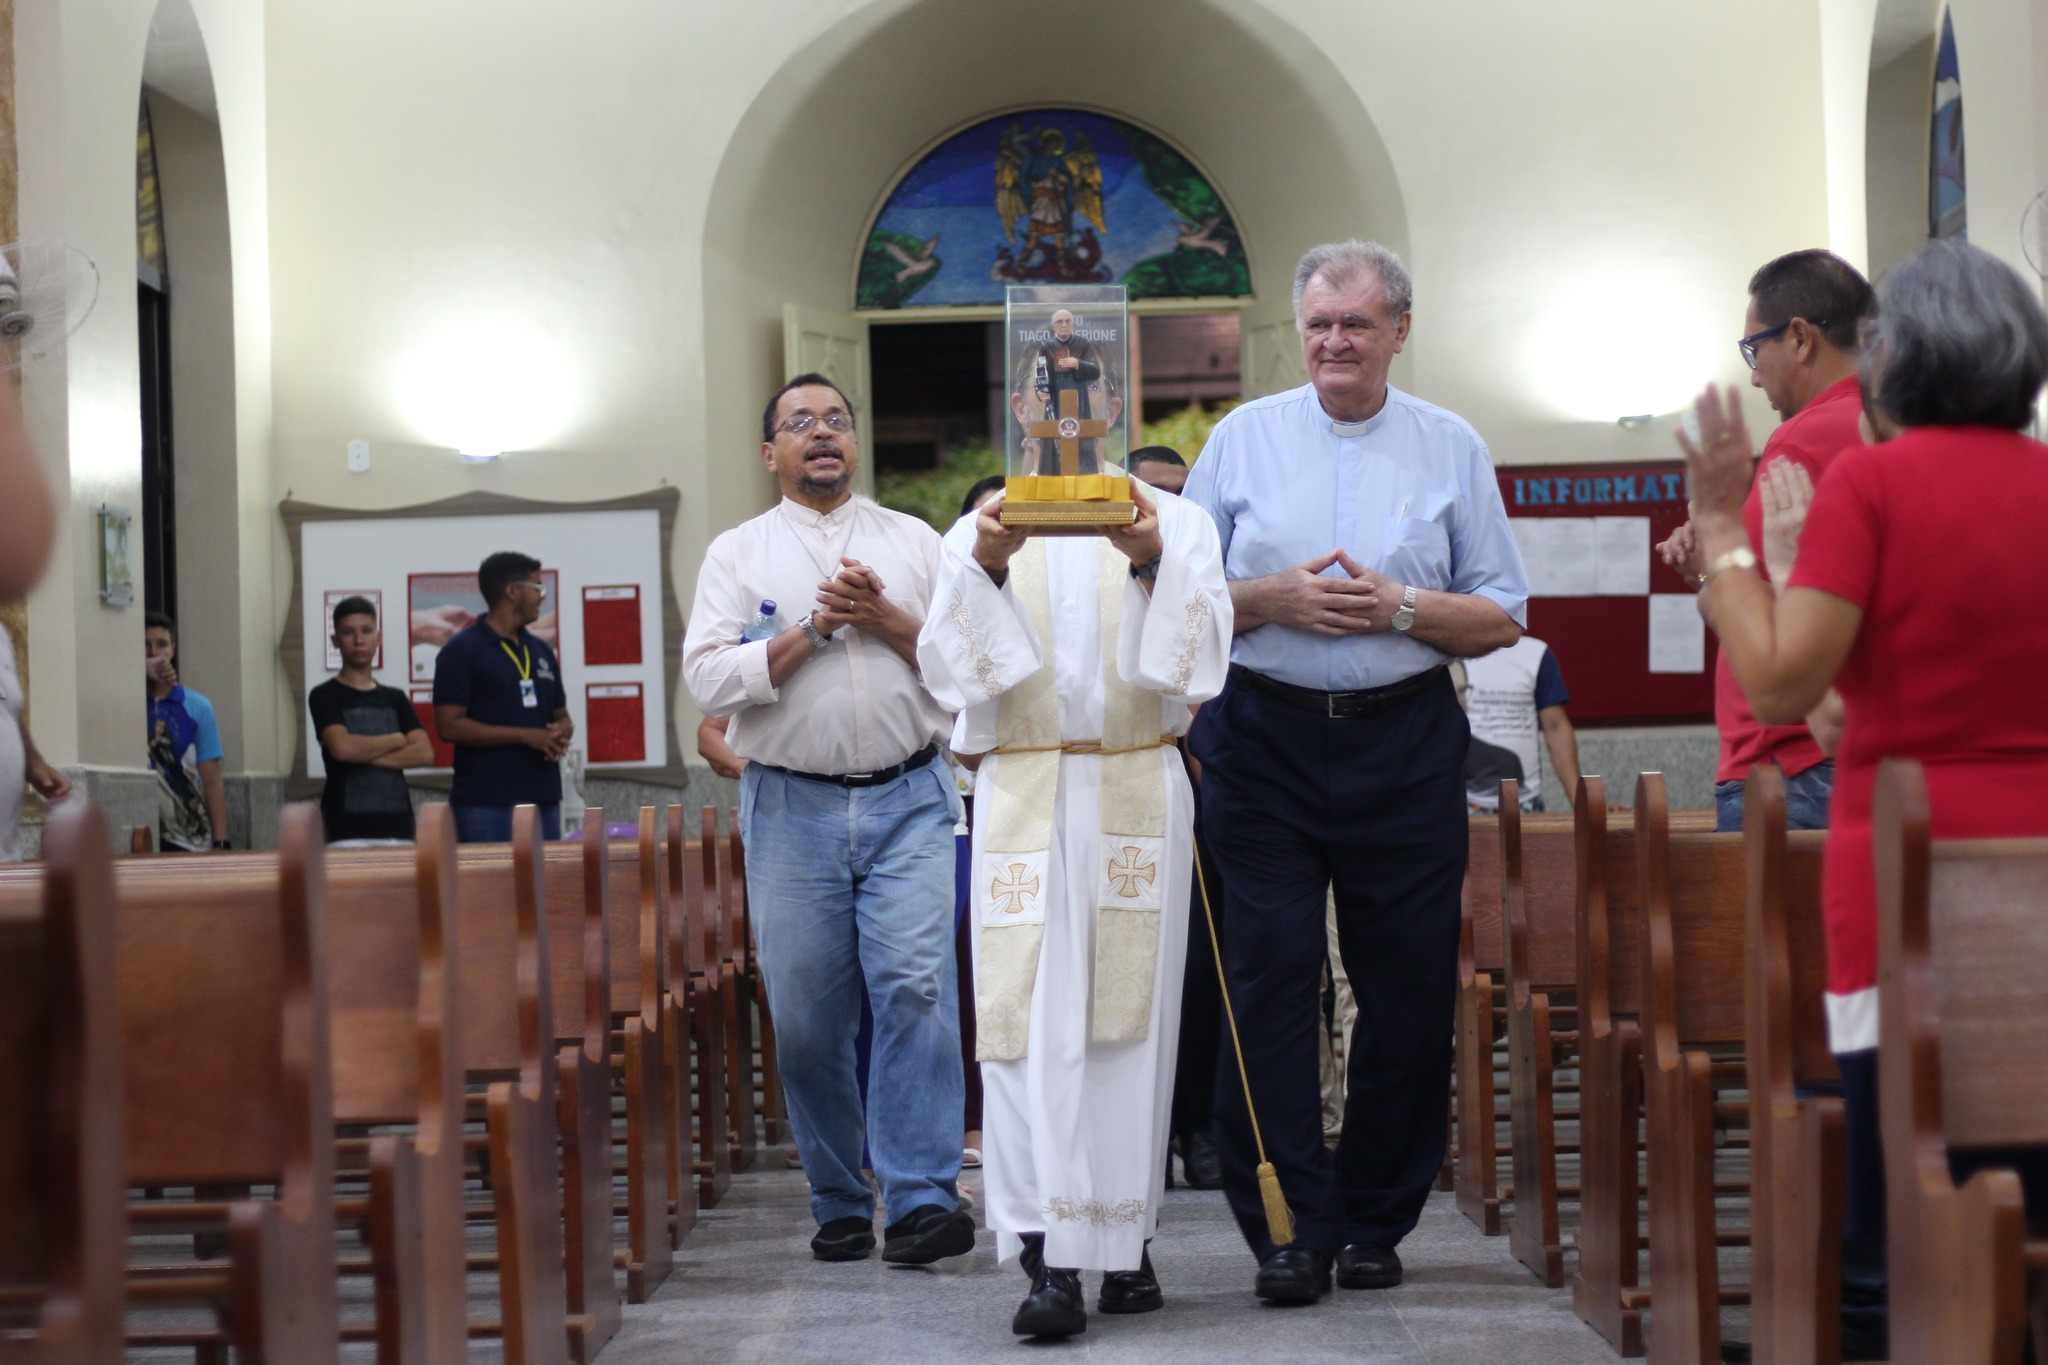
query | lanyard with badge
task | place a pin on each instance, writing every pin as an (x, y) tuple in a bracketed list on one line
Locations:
[(527, 696)]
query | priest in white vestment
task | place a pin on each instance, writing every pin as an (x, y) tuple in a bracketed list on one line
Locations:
[(1074, 662)]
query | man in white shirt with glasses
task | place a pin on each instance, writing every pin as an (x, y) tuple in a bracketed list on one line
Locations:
[(847, 808)]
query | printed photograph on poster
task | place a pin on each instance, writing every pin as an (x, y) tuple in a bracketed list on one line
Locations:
[(611, 624), (331, 598), (440, 604)]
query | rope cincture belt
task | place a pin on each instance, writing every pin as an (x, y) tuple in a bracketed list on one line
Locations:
[(1086, 746)]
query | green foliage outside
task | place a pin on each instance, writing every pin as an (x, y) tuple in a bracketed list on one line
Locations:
[(1216, 270), (935, 494), (879, 285), (1187, 431)]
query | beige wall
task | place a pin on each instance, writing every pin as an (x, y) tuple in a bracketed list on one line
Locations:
[(615, 211), (476, 224), (79, 82)]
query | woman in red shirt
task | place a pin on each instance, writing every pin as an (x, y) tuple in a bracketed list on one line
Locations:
[(1918, 594)]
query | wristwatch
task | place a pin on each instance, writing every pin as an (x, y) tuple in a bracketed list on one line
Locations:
[(1149, 570), (1405, 616), (810, 631), (1741, 557)]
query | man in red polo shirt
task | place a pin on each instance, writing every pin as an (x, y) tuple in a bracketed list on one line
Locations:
[(1799, 341)]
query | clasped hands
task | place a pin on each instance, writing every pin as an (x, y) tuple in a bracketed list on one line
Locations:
[(1361, 604), (553, 742), (995, 543), (853, 597)]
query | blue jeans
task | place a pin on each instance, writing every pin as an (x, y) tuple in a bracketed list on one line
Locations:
[(493, 824), (850, 886), (1806, 800)]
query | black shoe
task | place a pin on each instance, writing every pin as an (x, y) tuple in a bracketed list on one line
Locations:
[(1293, 1275), (1053, 1308), (1131, 1291), (1200, 1162), (1368, 1265), (927, 1233), (844, 1239)]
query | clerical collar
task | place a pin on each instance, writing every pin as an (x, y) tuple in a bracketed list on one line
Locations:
[(807, 516), (1364, 428)]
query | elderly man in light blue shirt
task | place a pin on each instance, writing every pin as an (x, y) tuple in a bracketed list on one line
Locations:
[(1366, 543)]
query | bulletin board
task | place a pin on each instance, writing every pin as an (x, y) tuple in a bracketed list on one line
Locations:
[(610, 612), (1625, 629)]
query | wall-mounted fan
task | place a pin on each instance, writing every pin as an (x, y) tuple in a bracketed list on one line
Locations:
[(47, 288), (2034, 234)]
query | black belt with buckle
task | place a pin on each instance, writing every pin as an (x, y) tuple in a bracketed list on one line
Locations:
[(874, 779), (1337, 705)]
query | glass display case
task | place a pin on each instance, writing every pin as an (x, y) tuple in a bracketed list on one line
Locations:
[(1067, 358)]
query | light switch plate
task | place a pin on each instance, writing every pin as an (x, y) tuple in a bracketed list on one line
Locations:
[(358, 457)]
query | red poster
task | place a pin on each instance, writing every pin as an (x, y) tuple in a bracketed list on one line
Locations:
[(423, 702), (617, 717), (611, 625)]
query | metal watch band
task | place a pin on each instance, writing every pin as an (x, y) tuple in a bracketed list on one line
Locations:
[(1404, 615), (811, 633), (1741, 557)]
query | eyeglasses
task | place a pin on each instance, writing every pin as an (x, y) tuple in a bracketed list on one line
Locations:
[(804, 421), (1749, 343), (540, 588)]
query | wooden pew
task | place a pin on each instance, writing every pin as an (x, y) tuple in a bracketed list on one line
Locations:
[(1795, 1141), (1475, 1163), (1606, 1292), (1538, 861), (63, 1201), (696, 1012), (636, 901), (1963, 951), (768, 1094), (723, 932), (579, 951), (395, 1001), (226, 1080), (1691, 898)]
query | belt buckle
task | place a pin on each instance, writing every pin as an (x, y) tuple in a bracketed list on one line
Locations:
[(1330, 707), (856, 777)]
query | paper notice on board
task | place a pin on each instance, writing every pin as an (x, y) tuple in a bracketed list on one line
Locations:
[(1621, 547), (1678, 637), (1558, 553)]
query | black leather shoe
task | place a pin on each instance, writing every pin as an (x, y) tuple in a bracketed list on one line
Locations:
[(927, 1233), (1200, 1162), (1368, 1265), (1293, 1275), (1131, 1291), (844, 1239), (1053, 1308)]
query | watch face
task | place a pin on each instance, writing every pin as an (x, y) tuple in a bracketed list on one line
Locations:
[(1404, 618)]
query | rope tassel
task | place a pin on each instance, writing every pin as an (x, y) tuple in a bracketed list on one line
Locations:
[(1279, 1218)]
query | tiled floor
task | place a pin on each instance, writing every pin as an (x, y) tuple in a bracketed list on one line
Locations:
[(747, 1289)]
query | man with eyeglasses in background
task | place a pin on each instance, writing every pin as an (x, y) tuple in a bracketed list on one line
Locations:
[(1800, 343), (804, 631), (499, 700)]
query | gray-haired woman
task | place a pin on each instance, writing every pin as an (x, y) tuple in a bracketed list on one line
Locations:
[(1918, 594)]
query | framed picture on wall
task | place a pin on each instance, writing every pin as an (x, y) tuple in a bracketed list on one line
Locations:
[(117, 579)]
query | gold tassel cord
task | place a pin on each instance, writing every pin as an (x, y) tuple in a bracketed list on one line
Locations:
[(1279, 1218)]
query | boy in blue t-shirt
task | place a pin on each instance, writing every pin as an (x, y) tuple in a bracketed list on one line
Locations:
[(184, 748), (499, 700)]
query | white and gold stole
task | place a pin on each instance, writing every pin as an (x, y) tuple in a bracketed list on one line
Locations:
[(1011, 864)]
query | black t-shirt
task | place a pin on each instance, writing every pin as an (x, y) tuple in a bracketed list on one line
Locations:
[(481, 671), (362, 800)]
